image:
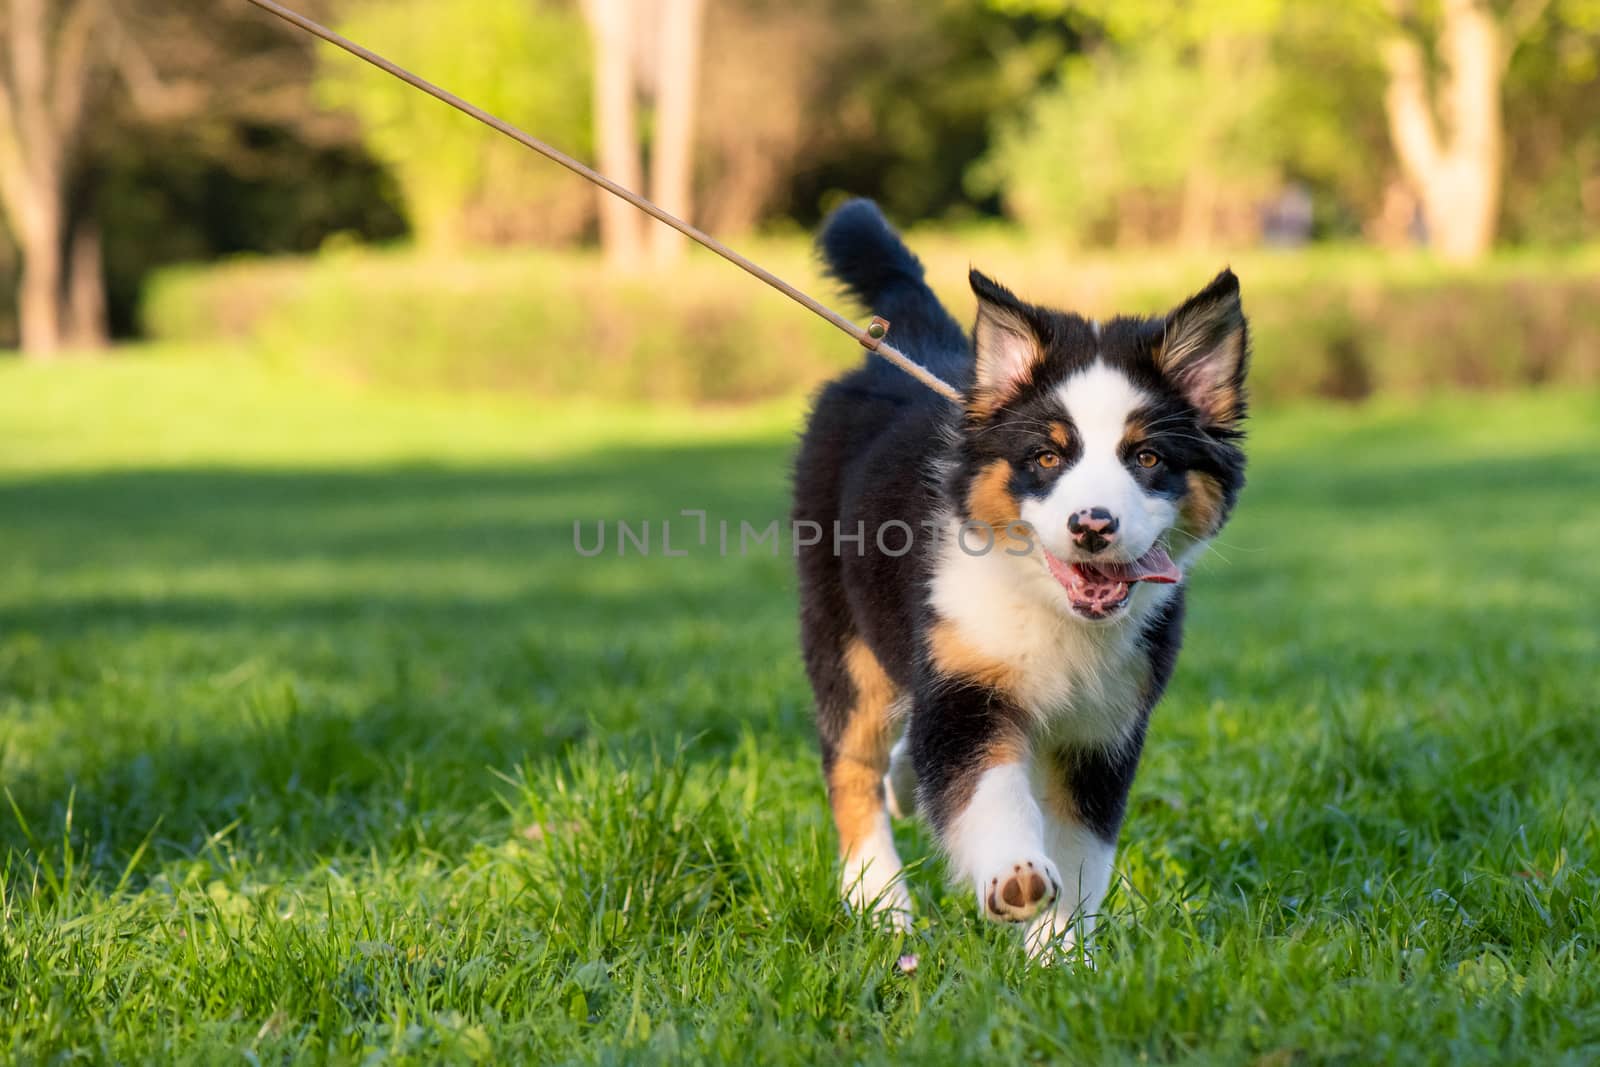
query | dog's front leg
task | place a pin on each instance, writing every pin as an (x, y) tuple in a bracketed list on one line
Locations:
[(1084, 795), (1084, 859), (972, 761)]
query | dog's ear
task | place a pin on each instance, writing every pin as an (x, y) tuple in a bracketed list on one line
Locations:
[(1206, 350), (1006, 343)]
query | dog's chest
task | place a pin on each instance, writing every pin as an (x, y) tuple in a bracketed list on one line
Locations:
[(1084, 684)]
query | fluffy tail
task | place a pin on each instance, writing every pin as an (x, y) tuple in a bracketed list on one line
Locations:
[(864, 253)]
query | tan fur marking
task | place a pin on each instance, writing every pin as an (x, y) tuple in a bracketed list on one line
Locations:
[(1058, 434), (873, 685), (1010, 745), (1200, 514), (952, 655), (990, 502), (1136, 431), (855, 779), (1058, 799)]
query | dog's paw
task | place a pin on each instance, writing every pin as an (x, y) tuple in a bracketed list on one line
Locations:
[(1017, 891)]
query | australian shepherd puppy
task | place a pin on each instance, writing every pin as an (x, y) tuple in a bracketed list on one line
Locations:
[(994, 600)]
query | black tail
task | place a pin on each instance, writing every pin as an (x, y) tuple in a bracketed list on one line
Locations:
[(863, 252)]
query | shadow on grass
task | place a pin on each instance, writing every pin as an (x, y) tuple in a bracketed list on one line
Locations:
[(335, 659), (315, 651)]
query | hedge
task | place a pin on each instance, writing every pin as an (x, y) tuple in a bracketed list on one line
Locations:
[(1340, 323)]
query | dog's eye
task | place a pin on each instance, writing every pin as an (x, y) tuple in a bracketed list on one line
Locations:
[(1048, 460), (1147, 458)]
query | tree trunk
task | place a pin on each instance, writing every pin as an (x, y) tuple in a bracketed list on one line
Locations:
[(1457, 179), (85, 324), (616, 136), (672, 155), (1197, 215), (39, 295), (45, 72)]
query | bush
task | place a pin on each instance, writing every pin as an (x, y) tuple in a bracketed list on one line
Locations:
[(1331, 323), (550, 323)]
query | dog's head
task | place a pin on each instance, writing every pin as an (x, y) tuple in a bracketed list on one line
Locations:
[(1117, 444)]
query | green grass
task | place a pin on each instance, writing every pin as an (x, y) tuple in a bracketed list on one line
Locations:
[(322, 744)]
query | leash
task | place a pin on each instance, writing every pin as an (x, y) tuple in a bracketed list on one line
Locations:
[(871, 337)]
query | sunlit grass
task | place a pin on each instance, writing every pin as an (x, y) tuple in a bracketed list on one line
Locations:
[(322, 742)]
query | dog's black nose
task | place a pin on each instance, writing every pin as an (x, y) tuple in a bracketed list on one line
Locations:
[(1093, 528)]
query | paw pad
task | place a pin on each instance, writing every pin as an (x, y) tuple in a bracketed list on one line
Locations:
[(1020, 894)]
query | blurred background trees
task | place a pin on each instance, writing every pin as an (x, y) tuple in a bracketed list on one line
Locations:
[(137, 133), (461, 183), (144, 132), (651, 48)]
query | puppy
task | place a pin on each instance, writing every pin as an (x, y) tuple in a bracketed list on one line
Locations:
[(1000, 585)]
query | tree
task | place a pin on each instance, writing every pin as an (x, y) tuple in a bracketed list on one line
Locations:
[(1552, 119), (49, 59), (611, 24), (894, 98), (1136, 143), (462, 182), (638, 46), (59, 62), (672, 154), (1450, 136)]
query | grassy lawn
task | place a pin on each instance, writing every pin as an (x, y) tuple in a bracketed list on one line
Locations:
[(321, 742)]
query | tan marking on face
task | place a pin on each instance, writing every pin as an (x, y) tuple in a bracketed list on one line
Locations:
[(1060, 435), (989, 501), (855, 778), (1137, 432), (1200, 514), (953, 655)]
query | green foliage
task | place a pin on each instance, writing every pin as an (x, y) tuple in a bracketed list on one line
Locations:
[(171, 197), (900, 96), (1183, 24), (1110, 152), (320, 745), (1553, 128), (1178, 122), (1342, 323), (526, 61), (1324, 119)]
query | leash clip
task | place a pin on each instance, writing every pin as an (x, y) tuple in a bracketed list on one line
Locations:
[(877, 330)]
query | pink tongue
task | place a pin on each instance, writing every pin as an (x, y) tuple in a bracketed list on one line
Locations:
[(1154, 566)]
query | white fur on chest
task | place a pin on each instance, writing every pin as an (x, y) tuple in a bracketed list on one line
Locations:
[(1083, 682)]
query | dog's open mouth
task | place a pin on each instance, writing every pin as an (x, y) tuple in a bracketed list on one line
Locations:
[(1100, 590)]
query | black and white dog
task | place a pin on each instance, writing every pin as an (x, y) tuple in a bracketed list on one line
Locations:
[(1002, 585)]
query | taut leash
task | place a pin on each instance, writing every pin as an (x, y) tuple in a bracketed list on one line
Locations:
[(870, 337)]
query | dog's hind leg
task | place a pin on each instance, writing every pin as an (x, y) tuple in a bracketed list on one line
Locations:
[(854, 698)]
